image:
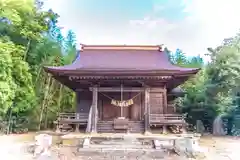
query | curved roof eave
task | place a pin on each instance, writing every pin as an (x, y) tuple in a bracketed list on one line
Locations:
[(100, 71)]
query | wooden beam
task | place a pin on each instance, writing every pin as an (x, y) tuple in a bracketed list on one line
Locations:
[(80, 90), (156, 89), (117, 77), (141, 82), (118, 89), (165, 100), (126, 89)]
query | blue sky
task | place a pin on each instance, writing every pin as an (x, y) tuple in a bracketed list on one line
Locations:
[(191, 25)]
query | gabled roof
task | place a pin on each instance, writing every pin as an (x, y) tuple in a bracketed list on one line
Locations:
[(121, 59)]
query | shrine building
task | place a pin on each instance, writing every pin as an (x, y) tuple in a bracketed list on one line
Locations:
[(122, 88)]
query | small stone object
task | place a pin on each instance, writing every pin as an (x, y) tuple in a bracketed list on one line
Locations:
[(218, 126), (147, 133), (157, 144), (129, 138), (180, 145), (200, 127), (86, 143), (187, 146), (191, 145), (43, 144)]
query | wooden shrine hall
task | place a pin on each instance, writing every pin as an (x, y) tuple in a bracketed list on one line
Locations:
[(122, 88)]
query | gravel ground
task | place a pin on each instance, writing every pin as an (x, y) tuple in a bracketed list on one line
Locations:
[(221, 148), (10, 150)]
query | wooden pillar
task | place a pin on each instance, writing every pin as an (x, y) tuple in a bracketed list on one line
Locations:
[(58, 126), (164, 129), (135, 108), (77, 125), (100, 109), (147, 110), (165, 101), (94, 109)]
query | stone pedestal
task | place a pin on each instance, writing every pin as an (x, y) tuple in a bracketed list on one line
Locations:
[(147, 133), (43, 144), (86, 143), (200, 127), (188, 145), (164, 131)]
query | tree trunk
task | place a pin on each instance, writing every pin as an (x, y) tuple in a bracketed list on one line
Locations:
[(59, 99), (28, 47), (38, 75), (44, 101), (50, 97)]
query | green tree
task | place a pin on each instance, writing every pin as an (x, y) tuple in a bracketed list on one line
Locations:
[(23, 25), (25, 47), (212, 91)]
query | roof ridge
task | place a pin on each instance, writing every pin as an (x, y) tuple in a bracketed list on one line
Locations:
[(121, 47)]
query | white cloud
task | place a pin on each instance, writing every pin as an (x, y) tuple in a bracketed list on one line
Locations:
[(208, 23)]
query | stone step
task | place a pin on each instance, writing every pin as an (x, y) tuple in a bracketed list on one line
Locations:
[(119, 154), (111, 127), (100, 150), (111, 124), (131, 125), (107, 127), (111, 142), (112, 121), (123, 146), (119, 131)]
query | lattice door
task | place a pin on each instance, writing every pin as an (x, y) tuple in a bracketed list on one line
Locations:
[(156, 103)]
